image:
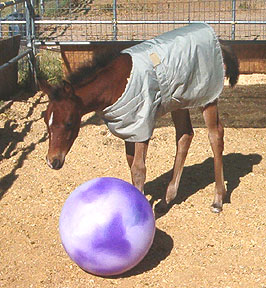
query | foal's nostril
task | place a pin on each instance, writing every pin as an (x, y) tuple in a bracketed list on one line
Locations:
[(56, 164)]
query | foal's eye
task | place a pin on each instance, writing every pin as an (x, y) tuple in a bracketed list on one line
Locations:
[(68, 125)]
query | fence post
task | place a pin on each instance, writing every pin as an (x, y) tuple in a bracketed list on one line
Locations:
[(0, 26), (233, 32), (41, 7), (30, 36), (114, 20)]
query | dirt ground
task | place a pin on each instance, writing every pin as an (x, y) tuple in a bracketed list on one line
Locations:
[(192, 246)]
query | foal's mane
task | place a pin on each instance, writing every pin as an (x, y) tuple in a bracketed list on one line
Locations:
[(87, 71)]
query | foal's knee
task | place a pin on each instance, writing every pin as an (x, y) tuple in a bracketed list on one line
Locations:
[(220, 130), (185, 140), (189, 136), (216, 137)]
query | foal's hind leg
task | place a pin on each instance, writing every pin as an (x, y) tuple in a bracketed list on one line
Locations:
[(184, 135), (216, 134)]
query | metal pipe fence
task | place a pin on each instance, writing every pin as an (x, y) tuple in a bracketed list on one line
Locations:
[(25, 28)]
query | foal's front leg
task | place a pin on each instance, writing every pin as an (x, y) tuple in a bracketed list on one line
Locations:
[(216, 134), (184, 135), (136, 155)]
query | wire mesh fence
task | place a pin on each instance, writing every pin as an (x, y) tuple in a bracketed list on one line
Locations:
[(104, 20), (12, 21), (95, 20)]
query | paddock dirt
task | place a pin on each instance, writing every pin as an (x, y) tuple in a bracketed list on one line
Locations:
[(192, 246)]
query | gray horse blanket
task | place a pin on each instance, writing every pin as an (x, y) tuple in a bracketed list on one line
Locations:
[(179, 69)]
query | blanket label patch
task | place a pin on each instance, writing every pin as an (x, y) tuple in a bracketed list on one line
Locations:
[(155, 59)]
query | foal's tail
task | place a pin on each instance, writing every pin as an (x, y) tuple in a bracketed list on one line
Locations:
[(231, 64)]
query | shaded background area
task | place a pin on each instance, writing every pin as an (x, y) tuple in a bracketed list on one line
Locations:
[(243, 106)]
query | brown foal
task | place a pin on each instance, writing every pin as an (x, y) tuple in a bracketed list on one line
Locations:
[(97, 86)]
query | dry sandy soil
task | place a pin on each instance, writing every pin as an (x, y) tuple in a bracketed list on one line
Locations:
[(192, 246)]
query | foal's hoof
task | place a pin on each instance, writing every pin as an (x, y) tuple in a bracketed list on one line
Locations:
[(216, 208)]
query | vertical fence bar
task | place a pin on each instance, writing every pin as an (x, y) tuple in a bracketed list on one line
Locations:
[(41, 7), (233, 32), (30, 35), (189, 16), (0, 26), (114, 20)]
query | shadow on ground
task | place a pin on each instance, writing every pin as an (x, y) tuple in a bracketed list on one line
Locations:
[(160, 249), (10, 139), (199, 176)]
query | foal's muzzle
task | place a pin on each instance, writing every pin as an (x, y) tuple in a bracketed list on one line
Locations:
[(55, 163)]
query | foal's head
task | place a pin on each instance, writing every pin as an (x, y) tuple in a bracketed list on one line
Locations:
[(62, 117)]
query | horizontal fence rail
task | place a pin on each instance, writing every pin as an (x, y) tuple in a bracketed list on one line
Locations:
[(16, 59)]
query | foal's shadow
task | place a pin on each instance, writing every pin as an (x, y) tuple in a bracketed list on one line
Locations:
[(199, 176)]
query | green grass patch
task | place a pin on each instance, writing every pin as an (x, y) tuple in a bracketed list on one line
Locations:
[(49, 66)]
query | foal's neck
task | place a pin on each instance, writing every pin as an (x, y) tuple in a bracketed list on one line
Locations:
[(107, 86)]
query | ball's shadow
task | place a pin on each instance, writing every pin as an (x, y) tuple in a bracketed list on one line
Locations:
[(160, 249)]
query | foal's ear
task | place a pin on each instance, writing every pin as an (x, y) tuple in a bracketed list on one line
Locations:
[(68, 88), (45, 87)]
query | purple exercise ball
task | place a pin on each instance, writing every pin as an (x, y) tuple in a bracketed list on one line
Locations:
[(106, 226)]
